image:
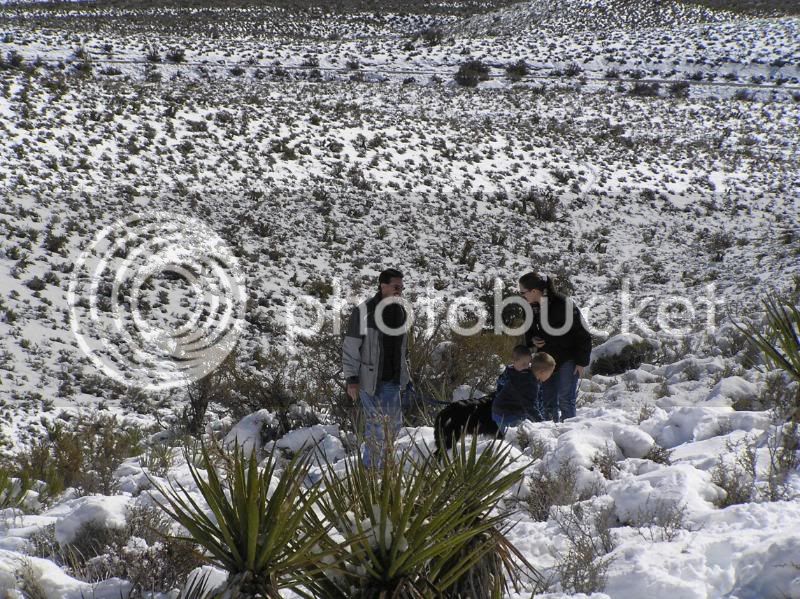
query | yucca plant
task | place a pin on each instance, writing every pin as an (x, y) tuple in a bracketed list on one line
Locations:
[(415, 527), (257, 526), (779, 342), (490, 574), (12, 491)]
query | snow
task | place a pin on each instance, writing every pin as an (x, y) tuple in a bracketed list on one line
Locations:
[(646, 183), (680, 485), (323, 438), (732, 389), (247, 433), (107, 512), (615, 345), (686, 424)]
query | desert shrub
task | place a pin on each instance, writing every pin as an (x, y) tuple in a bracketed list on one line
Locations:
[(573, 70), (545, 204), (440, 362), (12, 490), (14, 60), (784, 459), (176, 55), (605, 461), (153, 55), (584, 568), (645, 90), (35, 284), (679, 89), (737, 476), (28, 581), (471, 73), (145, 554), (142, 552), (270, 380), (432, 36), (552, 489), (718, 243), (630, 358), (659, 455), (646, 412), (659, 520), (518, 70), (83, 455)]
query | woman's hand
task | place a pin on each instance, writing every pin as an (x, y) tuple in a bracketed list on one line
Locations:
[(579, 371)]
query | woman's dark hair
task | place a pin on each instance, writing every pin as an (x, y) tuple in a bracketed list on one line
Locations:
[(533, 280)]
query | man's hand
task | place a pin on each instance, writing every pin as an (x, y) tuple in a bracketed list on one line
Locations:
[(352, 391), (579, 371), (538, 342)]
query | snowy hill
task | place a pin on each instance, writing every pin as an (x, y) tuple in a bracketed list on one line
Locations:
[(649, 155), (569, 16)]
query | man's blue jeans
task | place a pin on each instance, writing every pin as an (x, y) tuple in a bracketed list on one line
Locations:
[(383, 415), (560, 392)]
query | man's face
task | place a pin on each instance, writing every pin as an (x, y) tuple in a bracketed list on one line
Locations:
[(393, 288)]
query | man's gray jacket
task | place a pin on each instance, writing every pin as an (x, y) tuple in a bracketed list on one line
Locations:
[(362, 351)]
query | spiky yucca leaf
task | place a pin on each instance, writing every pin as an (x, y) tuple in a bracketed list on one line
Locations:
[(780, 342), (262, 536), (12, 491), (410, 527), (495, 561)]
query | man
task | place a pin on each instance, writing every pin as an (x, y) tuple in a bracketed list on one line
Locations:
[(374, 363)]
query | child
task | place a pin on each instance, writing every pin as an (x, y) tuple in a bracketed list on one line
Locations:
[(518, 387)]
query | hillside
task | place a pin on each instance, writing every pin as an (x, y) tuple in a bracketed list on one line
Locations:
[(563, 17), (186, 190)]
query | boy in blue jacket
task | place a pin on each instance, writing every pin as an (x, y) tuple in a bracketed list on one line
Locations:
[(516, 398)]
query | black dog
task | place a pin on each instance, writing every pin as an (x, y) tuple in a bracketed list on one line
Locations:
[(473, 416)]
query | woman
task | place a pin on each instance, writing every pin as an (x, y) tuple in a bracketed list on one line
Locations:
[(557, 329)]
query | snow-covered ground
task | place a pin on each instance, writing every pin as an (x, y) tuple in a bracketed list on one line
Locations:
[(670, 535), (321, 146)]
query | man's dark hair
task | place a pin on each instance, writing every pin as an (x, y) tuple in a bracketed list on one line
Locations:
[(520, 351), (389, 274), (533, 280)]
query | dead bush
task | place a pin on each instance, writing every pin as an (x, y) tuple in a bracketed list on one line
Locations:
[(660, 520), (737, 477), (584, 568), (552, 489)]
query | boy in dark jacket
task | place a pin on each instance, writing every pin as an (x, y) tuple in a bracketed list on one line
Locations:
[(518, 387)]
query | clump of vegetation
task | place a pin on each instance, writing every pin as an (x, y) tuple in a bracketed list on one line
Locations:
[(552, 489), (471, 73), (629, 358), (584, 568), (83, 455), (544, 204), (176, 55), (517, 71), (736, 476)]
